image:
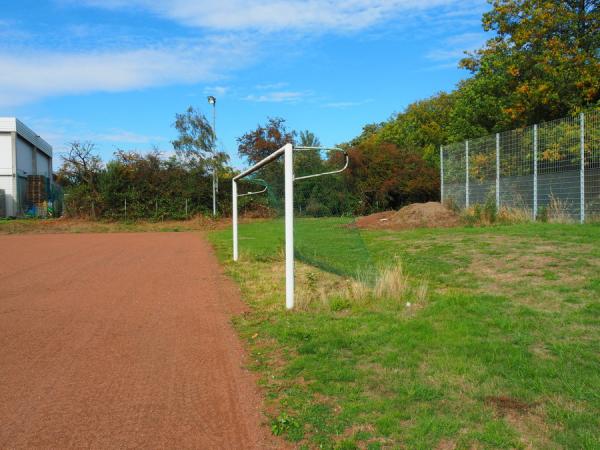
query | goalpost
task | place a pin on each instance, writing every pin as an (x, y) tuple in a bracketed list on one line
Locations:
[(288, 173)]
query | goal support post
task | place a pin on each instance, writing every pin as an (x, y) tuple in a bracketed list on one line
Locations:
[(288, 172), (288, 169)]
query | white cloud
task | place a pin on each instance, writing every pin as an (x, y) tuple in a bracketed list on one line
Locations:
[(33, 75), (453, 48), (124, 137), (59, 132), (271, 86), (347, 104), (277, 97), (280, 15), (218, 91)]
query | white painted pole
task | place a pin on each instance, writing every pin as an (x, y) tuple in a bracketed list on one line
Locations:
[(497, 171), (234, 208), (442, 173), (582, 168), (535, 171), (466, 174), (289, 225)]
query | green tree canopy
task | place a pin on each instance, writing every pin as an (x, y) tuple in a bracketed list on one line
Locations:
[(543, 63)]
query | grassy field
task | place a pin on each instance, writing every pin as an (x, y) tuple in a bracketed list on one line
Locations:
[(499, 347)]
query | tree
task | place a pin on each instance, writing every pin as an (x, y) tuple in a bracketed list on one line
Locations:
[(81, 166), (542, 64), (423, 125), (264, 140), (385, 176), (196, 142), (308, 139)]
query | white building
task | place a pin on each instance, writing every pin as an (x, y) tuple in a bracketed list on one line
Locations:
[(22, 153)]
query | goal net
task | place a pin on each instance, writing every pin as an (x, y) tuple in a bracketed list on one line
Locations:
[(301, 194)]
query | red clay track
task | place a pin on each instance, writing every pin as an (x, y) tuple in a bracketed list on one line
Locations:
[(121, 340)]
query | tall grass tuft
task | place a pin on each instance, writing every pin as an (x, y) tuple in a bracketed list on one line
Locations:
[(557, 210), (392, 283)]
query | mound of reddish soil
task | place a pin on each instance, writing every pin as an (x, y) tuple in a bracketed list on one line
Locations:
[(417, 215)]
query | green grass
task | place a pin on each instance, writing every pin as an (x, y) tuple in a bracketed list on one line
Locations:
[(503, 353)]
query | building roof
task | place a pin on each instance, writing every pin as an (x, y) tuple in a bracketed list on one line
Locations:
[(12, 124)]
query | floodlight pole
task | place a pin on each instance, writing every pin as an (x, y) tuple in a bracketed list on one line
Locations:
[(213, 101)]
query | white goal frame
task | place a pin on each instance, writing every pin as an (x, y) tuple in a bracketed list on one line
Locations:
[(288, 172)]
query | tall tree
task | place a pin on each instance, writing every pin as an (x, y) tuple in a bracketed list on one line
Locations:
[(309, 139), (423, 125), (385, 176), (81, 166), (196, 141), (543, 62), (265, 139)]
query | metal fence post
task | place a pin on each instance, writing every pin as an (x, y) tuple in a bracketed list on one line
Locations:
[(125, 209), (497, 171), (467, 174), (535, 171), (582, 168), (442, 173), (186, 208)]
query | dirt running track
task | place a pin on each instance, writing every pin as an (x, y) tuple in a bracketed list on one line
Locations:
[(121, 340)]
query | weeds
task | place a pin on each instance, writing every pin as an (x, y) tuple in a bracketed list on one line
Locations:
[(392, 283), (557, 210)]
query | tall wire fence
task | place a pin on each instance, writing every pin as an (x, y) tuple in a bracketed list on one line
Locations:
[(547, 170)]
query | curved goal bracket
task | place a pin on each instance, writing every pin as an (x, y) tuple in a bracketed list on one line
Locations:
[(257, 181), (332, 172)]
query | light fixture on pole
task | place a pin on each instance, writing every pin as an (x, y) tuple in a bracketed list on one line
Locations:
[(215, 185)]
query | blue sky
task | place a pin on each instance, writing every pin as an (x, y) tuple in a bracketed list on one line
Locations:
[(115, 72)]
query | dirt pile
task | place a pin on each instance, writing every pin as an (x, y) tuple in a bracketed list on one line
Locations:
[(417, 215)]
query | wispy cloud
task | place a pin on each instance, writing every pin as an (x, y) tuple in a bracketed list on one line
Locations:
[(278, 97), (452, 49), (60, 132), (33, 75), (347, 104), (240, 32), (124, 137), (219, 91), (275, 15), (271, 86)]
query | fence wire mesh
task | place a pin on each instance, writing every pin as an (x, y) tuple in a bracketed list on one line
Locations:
[(550, 170)]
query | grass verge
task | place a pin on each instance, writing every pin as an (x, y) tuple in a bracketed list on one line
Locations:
[(498, 348)]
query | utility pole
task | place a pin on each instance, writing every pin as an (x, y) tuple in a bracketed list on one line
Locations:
[(215, 185)]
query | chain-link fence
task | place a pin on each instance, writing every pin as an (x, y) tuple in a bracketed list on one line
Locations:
[(156, 209), (547, 170)]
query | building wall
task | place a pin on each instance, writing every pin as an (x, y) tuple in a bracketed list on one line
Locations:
[(32, 156), (42, 164), (5, 154), (25, 160), (6, 175)]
